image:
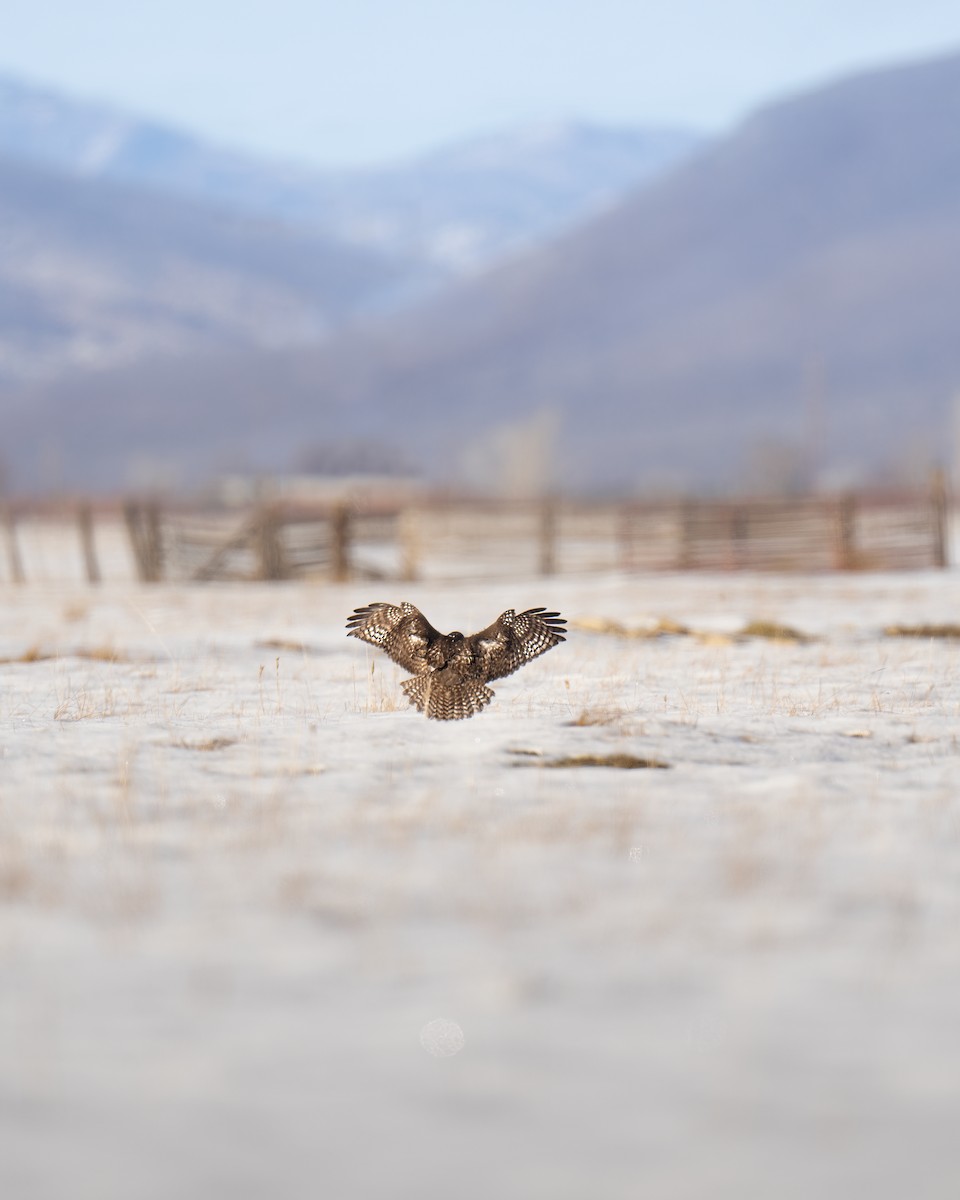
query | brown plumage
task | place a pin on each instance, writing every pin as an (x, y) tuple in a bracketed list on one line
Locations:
[(450, 671)]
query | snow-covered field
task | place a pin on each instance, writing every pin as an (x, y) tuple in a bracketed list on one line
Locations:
[(239, 882)]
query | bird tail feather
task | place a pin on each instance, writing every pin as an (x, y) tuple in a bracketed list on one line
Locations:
[(444, 701)]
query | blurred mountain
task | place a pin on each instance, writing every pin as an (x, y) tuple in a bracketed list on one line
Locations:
[(783, 303), (469, 204), (458, 208), (95, 273)]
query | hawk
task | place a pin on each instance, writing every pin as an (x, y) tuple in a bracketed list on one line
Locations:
[(450, 671)]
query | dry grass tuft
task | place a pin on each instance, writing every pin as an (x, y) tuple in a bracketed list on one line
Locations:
[(663, 627), (30, 655), (622, 762), (91, 653), (83, 704), (922, 631), (215, 743), (773, 631), (300, 770), (289, 644), (598, 716), (99, 654)]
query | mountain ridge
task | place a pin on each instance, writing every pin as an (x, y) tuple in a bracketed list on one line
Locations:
[(97, 273), (459, 206), (788, 292)]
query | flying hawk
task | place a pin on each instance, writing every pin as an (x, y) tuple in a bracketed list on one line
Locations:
[(450, 671)]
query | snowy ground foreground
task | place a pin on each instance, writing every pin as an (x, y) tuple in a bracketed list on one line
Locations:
[(238, 880)]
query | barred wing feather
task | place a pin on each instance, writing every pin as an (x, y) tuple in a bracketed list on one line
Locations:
[(399, 630), (516, 638)]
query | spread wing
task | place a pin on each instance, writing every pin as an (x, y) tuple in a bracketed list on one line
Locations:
[(514, 639), (400, 630)]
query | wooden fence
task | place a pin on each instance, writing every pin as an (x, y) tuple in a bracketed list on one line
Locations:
[(476, 539)]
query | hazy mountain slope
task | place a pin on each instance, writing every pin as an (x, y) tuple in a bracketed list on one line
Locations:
[(469, 204), (462, 206), (797, 280), (95, 273)]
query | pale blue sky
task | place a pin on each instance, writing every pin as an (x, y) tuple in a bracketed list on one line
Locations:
[(356, 81)]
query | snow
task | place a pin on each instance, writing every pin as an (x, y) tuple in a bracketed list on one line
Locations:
[(241, 882)]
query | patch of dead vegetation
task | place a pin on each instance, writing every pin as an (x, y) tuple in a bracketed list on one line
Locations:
[(210, 744), (289, 644), (101, 654), (662, 627), (598, 716), (31, 655), (298, 772), (773, 631), (621, 762), (666, 627), (89, 653), (714, 638), (93, 704), (948, 631)]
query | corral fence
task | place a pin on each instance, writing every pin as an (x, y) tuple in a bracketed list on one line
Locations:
[(434, 540)]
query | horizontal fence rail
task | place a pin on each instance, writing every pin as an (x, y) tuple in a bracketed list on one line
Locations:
[(469, 539)]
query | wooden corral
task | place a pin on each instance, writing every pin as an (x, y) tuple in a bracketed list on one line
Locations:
[(471, 538), (265, 542)]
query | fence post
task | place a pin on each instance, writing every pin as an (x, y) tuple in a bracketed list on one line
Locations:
[(131, 518), (409, 536), (13, 546), (739, 536), (143, 528), (87, 543), (154, 541), (548, 536), (686, 557), (340, 543), (625, 557), (846, 532), (269, 545), (939, 497)]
